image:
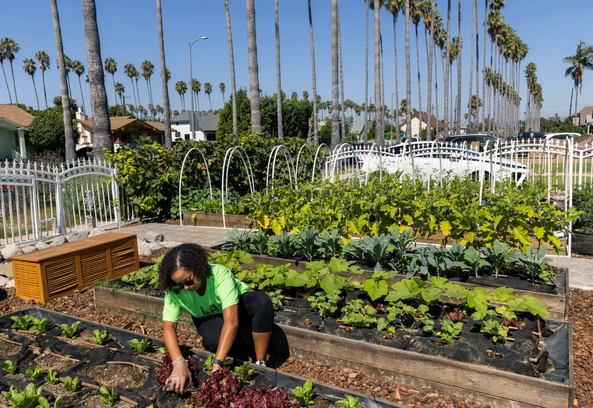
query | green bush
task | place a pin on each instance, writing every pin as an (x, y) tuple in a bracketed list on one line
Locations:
[(46, 131)]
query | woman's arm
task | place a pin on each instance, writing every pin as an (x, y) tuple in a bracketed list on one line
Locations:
[(228, 334), (171, 341)]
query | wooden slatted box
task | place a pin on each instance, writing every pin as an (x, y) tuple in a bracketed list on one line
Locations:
[(55, 272)]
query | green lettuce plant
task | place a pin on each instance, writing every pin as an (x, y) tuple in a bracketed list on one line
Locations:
[(305, 395)]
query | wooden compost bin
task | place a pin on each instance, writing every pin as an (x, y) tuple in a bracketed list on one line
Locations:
[(55, 272), (473, 382), (557, 305), (201, 219)]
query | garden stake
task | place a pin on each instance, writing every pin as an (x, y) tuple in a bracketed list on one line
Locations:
[(541, 346)]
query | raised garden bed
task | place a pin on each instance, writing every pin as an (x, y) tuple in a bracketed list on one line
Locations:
[(473, 367), (582, 243), (554, 298), (201, 219), (135, 379)]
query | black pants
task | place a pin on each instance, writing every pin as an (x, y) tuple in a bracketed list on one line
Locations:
[(256, 314)]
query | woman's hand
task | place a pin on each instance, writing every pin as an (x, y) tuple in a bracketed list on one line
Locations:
[(179, 376), (215, 367)]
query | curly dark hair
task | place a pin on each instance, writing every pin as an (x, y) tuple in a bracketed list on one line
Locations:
[(188, 256)]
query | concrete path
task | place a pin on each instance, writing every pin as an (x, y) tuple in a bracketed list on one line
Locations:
[(581, 269)]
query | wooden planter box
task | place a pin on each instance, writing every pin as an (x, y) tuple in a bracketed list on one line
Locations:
[(557, 305), (55, 272), (477, 383), (201, 219)]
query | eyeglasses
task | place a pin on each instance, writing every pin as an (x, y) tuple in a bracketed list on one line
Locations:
[(188, 282)]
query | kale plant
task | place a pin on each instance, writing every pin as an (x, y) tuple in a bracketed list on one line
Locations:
[(536, 264), (305, 242), (330, 243), (283, 244), (496, 256), (258, 243), (237, 240)]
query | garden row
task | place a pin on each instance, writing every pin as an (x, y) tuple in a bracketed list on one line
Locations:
[(51, 360)]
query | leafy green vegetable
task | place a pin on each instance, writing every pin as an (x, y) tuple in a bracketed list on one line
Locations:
[(450, 330), (10, 366), (108, 398), (305, 395), (100, 337), (42, 325), (349, 402), (35, 374), (330, 243), (140, 347), (244, 372), (52, 377), (43, 403), (27, 399), (305, 242), (71, 384), (69, 331), (494, 328), (22, 323)]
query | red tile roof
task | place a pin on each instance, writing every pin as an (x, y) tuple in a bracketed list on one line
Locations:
[(16, 115)]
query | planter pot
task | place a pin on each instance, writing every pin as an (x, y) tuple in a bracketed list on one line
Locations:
[(201, 219), (556, 304), (470, 381), (582, 243)]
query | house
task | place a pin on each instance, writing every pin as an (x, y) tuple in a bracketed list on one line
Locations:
[(586, 117), (13, 125), (420, 122), (124, 130), (205, 124)]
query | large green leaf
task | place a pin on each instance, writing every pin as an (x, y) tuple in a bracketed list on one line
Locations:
[(376, 289)]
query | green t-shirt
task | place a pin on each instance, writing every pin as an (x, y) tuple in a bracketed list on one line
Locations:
[(222, 290)]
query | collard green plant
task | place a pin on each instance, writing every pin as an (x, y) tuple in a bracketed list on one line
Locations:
[(69, 331), (305, 395), (473, 261), (108, 398), (29, 398), (10, 366), (35, 374), (42, 325), (237, 239), (536, 264), (258, 243), (376, 249), (100, 337), (52, 377), (140, 347), (244, 371), (22, 323), (496, 256), (71, 384), (305, 242), (330, 243), (283, 244)]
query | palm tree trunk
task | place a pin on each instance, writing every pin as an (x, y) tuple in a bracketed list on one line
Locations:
[(396, 78), (315, 130), (366, 74), (491, 106), (16, 97), (210, 100), (114, 91), (447, 67), (70, 143), (459, 66), (576, 100), (419, 83), (343, 136), (35, 88), (379, 133), (408, 76), (133, 91), (8, 88), (232, 62), (335, 137), (138, 93), (430, 52), (166, 107), (471, 71), (44, 91), (436, 88), (278, 82), (484, 66), (81, 95), (253, 68), (383, 100)]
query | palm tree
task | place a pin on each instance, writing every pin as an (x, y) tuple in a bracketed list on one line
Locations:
[(78, 69), (130, 71), (447, 67), (253, 67), (70, 143), (208, 91), (278, 79), (408, 76), (222, 88), (453, 55), (69, 68), (196, 87), (471, 66), (342, 79), (232, 62), (10, 49), (581, 60), (417, 14), (120, 90), (430, 61), (136, 78), (379, 132), (366, 72), (335, 136), (181, 88), (147, 71), (459, 70), (30, 69), (111, 67), (315, 99), (165, 77), (395, 7), (2, 58), (44, 64)]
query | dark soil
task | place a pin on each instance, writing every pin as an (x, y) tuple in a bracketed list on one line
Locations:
[(8, 349), (118, 375), (148, 260), (57, 389), (49, 361), (95, 402)]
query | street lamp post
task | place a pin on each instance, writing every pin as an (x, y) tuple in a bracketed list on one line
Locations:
[(191, 90)]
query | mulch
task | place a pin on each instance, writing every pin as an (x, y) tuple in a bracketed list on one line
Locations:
[(581, 315)]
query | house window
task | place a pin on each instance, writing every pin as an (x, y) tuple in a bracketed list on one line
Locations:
[(186, 136)]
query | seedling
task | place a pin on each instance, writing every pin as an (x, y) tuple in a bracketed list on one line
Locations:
[(162, 350), (52, 377), (100, 337), (71, 384), (35, 374), (42, 325), (349, 402), (22, 323), (140, 347), (207, 367), (244, 372), (494, 328), (9, 366), (450, 330), (69, 331), (29, 398), (43, 403), (108, 398), (305, 395)]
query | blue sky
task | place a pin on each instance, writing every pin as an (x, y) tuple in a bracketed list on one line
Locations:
[(129, 34)]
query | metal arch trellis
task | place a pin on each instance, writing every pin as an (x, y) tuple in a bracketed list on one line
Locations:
[(289, 163), (181, 177), (321, 147), (299, 156), (225, 174)]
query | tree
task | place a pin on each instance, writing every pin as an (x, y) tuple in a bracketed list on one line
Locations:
[(417, 13), (256, 126), (196, 87), (111, 67), (581, 60), (315, 130), (30, 69), (335, 138), (431, 14), (131, 72), (147, 71), (2, 59), (165, 76), (458, 110), (408, 76), (120, 90), (46, 131), (68, 69), (379, 132), (208, 91), (394, 7), (102, 140), (44, 64), (232, 62), (181, 88), (447, 69), (278, 79), (243, 111), (474, 105), (222, 88), (10, 48), (79, 71), (68, 129)]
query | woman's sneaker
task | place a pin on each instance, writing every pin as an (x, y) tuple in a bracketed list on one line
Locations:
[(260, 363)]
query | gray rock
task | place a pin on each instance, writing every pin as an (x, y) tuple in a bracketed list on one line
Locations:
[(153, 236), (96, 231), (6, 270), (41, 245), (3, 281), (11, 250), (59, 240), (171, 244), (10, 284), (29, 249), (155, 245), (76, 235), (144, 249)]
